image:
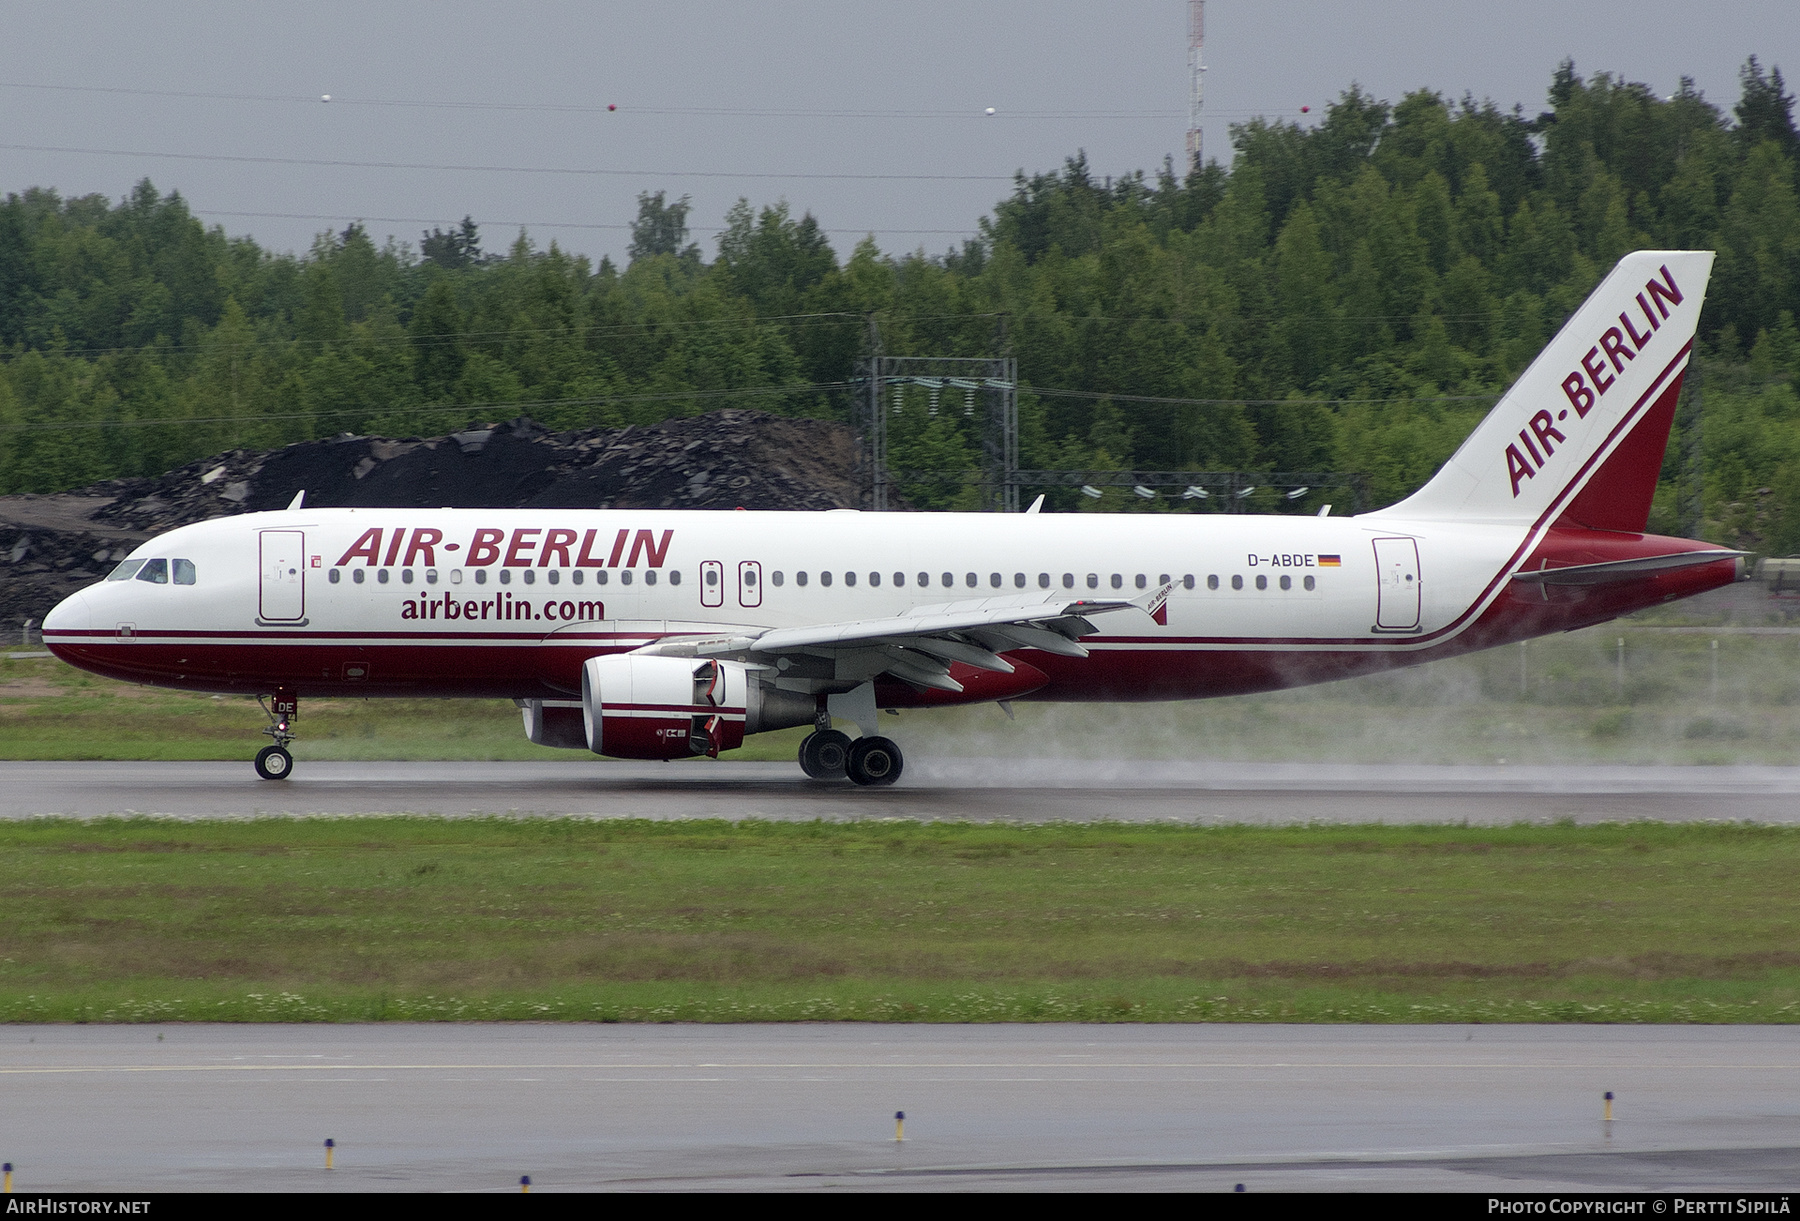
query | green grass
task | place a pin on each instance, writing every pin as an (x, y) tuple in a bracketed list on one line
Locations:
[(416, 918)]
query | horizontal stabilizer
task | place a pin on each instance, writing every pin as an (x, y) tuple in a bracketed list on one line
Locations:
[(1622, 570)]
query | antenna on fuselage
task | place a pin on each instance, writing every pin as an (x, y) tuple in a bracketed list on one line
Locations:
[(298, 500)]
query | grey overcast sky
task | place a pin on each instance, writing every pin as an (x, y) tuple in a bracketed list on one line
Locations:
[(871, 116)]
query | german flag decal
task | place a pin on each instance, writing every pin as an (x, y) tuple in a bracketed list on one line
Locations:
[(1331, 561)]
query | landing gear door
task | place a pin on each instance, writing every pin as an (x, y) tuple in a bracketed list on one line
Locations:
[(282, 597), (712, 583), (1398, 599), (749, 583)]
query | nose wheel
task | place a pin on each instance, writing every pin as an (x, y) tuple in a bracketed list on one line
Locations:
[(273, 762)]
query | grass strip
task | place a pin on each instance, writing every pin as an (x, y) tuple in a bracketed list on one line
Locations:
[(402, 918)]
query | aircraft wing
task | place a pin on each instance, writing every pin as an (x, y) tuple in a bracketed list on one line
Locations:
[(918, 647)]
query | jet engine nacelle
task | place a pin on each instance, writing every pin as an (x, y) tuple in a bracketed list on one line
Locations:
[(648, 707)]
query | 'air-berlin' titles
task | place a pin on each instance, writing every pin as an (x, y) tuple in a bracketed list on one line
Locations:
[(488, 545), (1598, 373)]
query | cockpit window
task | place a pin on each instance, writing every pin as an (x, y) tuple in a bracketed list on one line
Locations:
[(125, 571), (154, 571), (184, 572)]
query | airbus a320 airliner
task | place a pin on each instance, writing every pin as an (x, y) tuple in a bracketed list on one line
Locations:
[(662, 635)]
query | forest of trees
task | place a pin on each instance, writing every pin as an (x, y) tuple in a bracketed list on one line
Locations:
[(1348, 297)]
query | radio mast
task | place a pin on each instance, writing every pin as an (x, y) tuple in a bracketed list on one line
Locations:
[(1196, 72)]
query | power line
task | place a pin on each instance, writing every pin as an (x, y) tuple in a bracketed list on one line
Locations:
[(522, 405), (522, 224), (621, 111), (441, 338), (1043, 392), (440, 409), (737, 175)]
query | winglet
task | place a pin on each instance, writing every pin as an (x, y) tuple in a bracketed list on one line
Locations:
[(1156, 603), (1036, 504), (298, 500)]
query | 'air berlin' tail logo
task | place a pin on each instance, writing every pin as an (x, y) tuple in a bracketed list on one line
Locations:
[(1598, 373)]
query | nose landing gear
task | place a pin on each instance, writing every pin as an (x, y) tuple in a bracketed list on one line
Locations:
[(273, 762)]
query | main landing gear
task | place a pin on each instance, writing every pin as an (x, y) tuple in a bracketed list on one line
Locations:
[(273, 762), (827, 754)]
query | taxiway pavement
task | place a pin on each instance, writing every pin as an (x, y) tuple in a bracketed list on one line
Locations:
[(472, 1108), (975, 789)]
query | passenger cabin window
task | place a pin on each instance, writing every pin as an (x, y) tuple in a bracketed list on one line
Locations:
[(1212, 582), (335, 576), (1093, 580), (1043, 580), (184, 572), (674, 577), (800, 579), (624, 577), (600, 578), (777, 577), (850, 579), (969, 579), (649, 577), (1187, 582), (1262, 582), (1143, 580), (1287, 582), (899, 580), (1309, 582), (949, 580), (125, 571), (1118, 582), (825, 579), (1068, 580), (154, 571), (1237, 582), (874, 579), (1018, 580)]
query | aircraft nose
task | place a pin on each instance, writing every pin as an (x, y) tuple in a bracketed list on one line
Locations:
[(70, 615)]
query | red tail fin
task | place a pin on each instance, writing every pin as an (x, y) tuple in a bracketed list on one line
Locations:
[(1618, 495)]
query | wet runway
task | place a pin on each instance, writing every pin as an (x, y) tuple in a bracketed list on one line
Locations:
[(976, 789), (440, 1107)]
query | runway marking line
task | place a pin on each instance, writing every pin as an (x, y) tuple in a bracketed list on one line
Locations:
[(1154, 1064)]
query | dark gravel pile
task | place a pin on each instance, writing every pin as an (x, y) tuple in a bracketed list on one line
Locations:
[(52, 545)]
